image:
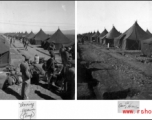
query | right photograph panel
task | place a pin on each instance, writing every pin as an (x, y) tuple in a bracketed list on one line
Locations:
[(114, 50)]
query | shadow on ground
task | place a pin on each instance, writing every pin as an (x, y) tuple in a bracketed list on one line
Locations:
[(46, 97), (12, 92)]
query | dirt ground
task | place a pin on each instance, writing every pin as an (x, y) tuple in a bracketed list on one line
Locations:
[(115, 73)]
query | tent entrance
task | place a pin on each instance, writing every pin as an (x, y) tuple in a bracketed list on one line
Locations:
[(110, 41), (133, 44), (93, 39)]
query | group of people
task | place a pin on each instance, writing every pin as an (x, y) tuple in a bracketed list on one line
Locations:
[(51, 66), (24, 41), (68, 59)]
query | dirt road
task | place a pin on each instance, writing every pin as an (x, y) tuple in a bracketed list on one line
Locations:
[(115, 73)]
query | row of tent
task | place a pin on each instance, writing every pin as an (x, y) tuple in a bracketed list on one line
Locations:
[(58, 38), (135, 38), (41, 38)]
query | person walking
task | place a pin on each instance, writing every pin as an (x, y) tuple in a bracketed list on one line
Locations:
[(26, 76), (23, 43), (10, 41), (26, 44), (14, 41)]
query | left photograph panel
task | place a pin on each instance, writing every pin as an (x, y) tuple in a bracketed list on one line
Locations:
[(37, 50)]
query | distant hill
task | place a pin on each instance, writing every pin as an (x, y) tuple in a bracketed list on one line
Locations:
[(66, 32)]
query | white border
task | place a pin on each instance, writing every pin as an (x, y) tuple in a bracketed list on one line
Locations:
[(57, 109), (73, 109)]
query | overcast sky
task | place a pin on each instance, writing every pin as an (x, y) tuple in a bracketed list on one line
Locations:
[(21, 16), (97, 15)]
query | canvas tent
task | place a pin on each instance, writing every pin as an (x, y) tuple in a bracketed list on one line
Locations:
[(4, 41), (39, 37), (58, 38), (84, 36), (94, 36), (4, 53), (27, 35), (102, 35), (20, 35), (109, 37), (30, 36), (146, 47), (24, 34), (131, 39), (149, 33), (87, 36), (17, 34)]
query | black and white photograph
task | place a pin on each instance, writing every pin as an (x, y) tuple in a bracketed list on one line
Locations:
[(37, 50), (114, 51)]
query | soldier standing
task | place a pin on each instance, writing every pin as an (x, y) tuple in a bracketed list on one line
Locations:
[(26, 76), (72, 51), (50, 68), (62, 49)]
